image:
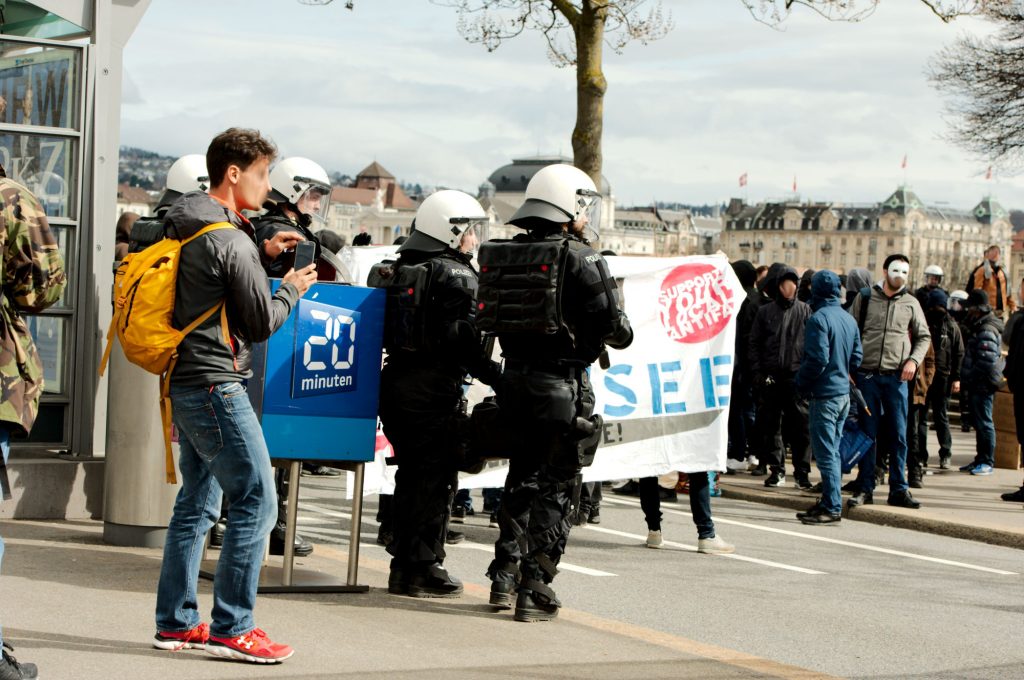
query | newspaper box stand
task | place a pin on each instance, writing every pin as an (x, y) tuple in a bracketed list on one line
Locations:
[(314, 388)]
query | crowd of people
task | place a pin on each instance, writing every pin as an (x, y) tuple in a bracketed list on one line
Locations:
[(821, 356)]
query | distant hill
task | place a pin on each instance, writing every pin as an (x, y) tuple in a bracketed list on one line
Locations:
[(141, 168)]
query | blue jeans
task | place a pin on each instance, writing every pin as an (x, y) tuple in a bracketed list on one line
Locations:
[(886, 397), (222, 447), (827, 417), (985, 430)]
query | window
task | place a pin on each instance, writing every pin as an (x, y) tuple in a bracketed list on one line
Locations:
[(890, 242)]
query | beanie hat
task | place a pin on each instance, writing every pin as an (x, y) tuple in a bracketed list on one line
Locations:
[(937, 298), (977, 298)]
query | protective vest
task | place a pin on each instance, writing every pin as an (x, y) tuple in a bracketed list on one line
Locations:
[(521, 286), (406, 314)]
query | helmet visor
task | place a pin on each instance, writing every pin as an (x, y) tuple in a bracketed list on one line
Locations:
[(588, 213), (315, 201), (470, 232)]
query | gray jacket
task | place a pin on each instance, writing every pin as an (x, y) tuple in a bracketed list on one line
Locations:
[(222, 265), (894, 330)]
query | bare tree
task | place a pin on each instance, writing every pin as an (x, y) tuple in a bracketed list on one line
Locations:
[(774, 12), (983, 78), (576, 32)]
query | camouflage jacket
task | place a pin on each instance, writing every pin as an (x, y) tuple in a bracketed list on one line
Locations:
[(33, 278)]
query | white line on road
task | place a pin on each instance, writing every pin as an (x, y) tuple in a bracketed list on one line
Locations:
[(562, 566), (693, 548), (835, 541)]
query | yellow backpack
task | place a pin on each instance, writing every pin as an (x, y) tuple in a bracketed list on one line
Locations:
[(144, 286)]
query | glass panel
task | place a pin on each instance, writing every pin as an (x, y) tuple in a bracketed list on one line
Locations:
[(66, 244), (39, 85), (46, 165), (49, 333), (49, 425)]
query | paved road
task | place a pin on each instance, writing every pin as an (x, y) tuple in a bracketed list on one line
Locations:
[(855, 600)]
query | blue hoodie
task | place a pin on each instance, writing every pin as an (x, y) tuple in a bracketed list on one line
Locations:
[(832, 348)]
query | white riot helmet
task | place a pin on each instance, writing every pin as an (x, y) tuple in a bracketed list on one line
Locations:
[(186, 174), (933, 270), (302, 184), (442, 219), (558, 194), (957, 300)]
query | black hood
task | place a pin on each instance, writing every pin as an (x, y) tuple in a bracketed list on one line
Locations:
[(746, 273), (770, 284)]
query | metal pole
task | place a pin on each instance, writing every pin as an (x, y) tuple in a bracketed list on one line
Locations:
[(294, 473), (357, 519)]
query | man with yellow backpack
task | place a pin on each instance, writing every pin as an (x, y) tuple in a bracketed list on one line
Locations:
[(222, 445)]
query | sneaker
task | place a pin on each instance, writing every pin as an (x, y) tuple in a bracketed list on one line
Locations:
[(733, 465), (654, 539), (752, 462), (453, 537), (861, 498), (458, 515), (254, 647), (715, 546), (493, 521), (915, 478), (775, 479), (595, 516), (800, 481), (186, 639), (10, 669), (982, 470), (217, 533), (1014, 496), (851, 486), (819, 518), (759, 471), (314, 470), (967, 468), (944, 462)]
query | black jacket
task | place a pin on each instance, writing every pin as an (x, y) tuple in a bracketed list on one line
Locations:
[(589, 307), (777, 338), (1014, 370), (983, 364), (221, 265), (451, 314), (947, 343)]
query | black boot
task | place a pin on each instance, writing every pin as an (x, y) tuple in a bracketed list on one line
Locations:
[(398, 581), (303, 548), (501, 594), (434, 581), (10, 669), (536, 602), (915, 478)]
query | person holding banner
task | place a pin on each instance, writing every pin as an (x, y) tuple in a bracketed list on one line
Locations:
[(832, 351), (548, 341)]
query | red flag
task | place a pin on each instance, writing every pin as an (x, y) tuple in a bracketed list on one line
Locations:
[(743, 180), (794, 184), (904, 163), (988, 175)]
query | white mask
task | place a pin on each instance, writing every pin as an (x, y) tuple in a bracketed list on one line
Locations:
[(898, 271)]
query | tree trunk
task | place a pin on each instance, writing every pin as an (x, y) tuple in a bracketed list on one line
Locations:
[(590, 89)]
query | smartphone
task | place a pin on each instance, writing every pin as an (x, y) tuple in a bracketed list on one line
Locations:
[(305, 254)]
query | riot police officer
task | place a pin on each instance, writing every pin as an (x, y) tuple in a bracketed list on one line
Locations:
[(551, 301), (432, 343), (186, 174), (300, 195)]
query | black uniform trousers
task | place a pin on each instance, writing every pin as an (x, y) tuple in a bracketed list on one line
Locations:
[(782, 419), (536, 503), (419, 411)]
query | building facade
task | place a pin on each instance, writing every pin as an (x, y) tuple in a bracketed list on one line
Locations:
[(822, 235)]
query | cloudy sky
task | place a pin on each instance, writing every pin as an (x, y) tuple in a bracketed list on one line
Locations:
[(835, 105)]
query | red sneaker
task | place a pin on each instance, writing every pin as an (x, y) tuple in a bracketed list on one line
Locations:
[(186, 639), (254, 647)]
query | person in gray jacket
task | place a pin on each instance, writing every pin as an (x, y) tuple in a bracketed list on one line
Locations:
[(895, 339)]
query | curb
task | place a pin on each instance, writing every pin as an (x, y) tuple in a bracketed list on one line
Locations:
[(876, 514)]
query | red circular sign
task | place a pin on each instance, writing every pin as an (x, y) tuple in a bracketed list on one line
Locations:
[(694, 304)]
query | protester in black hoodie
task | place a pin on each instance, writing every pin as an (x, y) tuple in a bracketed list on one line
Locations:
[(775, 350), (741, 407), (948, 344)]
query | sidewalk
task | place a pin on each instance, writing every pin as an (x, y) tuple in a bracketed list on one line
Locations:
[(953, 503)]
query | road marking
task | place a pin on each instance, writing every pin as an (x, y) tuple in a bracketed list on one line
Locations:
[(835, 541), (562, 566), (693, 548), (760, 665)]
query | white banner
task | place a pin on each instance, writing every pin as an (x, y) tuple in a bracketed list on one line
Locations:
[(664, 399)]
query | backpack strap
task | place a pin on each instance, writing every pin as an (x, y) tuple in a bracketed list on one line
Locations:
[(206, 230)]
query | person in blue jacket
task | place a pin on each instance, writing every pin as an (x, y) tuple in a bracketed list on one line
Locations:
[(832, 351)]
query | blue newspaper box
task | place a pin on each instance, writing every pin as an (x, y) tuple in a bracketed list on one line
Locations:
[(316, 380)]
